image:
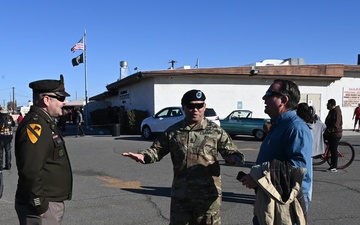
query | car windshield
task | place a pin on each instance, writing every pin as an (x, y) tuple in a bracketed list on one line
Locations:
[(240, 114), (209, 112), (169, 112)]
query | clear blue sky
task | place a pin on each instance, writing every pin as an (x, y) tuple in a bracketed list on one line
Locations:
[(36, 37)]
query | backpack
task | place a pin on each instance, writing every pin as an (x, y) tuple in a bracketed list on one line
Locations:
[(6, 124)]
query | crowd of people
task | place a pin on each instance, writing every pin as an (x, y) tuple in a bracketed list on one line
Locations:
[(282, 177)]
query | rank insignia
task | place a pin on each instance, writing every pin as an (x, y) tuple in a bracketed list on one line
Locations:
[(34, 131)]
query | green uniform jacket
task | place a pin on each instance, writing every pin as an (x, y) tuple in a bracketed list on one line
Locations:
[(194, 154), (42, 161)]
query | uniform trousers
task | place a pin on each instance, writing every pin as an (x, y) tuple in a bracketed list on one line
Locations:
[(27, 216), (195, 211)]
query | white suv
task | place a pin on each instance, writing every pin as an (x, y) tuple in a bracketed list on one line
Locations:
[(168, 116)]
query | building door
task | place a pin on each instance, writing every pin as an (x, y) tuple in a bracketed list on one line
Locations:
[(312, 100)]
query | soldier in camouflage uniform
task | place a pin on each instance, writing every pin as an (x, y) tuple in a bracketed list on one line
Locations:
[(193, 144)]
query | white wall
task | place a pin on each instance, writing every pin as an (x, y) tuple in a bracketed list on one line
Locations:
[(223, 98), (224, 94), (335, 91)]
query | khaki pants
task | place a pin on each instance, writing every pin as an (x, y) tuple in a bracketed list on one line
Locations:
[(27, 216)]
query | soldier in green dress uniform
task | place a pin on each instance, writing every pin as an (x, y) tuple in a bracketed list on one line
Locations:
[(45, 177)]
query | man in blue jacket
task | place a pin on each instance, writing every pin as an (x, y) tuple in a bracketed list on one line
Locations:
[(289, 138)]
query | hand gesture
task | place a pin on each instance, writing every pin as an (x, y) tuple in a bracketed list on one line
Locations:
[(135, 156)]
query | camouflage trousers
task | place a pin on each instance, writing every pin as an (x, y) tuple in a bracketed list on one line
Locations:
[(195, 211)]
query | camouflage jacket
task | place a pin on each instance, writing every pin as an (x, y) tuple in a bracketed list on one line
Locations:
[(194, 154)]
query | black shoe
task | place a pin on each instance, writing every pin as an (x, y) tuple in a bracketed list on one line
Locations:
[(6, 168)]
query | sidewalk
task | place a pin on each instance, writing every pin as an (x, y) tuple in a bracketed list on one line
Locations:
[(350, 133)]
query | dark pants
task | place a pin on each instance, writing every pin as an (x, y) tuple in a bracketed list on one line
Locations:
[(333, 146), (78, 129), (27, 216), (5, 146), (357, 121), (1, 184)]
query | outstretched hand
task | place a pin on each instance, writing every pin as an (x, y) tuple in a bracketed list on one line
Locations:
[(135, 156)]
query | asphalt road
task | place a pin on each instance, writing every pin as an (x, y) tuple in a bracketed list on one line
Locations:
[(111, 189)]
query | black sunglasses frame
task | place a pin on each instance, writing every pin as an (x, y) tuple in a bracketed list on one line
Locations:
[(269, 93), (195, 105), (59, 98)]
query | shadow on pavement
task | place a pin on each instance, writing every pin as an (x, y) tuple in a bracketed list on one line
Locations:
[(166, 192)]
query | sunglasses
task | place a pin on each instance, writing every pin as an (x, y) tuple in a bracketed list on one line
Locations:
[(273, 93), (196, 105), (59, 98)]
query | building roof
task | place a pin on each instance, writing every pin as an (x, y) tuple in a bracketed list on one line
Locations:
[(78, 102), (326, 72)]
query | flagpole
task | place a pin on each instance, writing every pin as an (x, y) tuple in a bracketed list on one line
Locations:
[(86, 85)]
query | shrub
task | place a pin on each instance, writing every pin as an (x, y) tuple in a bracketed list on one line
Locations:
[(134, 119), (98, 117)]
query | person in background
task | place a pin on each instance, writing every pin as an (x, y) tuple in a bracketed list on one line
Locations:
[(312, 111), (333, 132), (20, 118), (45, 177), (356, 116), (62, 122), (316, 126), (317, 129), (288, 141), (194, 144), (6, 135), (79, 122)]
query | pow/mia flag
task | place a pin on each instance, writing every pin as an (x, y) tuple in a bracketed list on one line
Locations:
[(76, 61)]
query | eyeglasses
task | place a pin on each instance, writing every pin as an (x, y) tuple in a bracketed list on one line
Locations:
[(196, 105), (59, 98), (269, 93)]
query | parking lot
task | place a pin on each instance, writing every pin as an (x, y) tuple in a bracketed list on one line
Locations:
[(112, 189)]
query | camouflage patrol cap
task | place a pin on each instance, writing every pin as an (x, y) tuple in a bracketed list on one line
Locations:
[(45, 86), (192, 95)]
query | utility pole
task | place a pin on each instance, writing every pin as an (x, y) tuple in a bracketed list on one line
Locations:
[(13, 101)]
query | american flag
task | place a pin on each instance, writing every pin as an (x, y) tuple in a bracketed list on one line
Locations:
[(78, 46)]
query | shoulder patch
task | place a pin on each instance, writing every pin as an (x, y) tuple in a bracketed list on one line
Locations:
[(33, 132)]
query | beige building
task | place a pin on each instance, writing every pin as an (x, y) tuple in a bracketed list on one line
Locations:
[(231, 88)]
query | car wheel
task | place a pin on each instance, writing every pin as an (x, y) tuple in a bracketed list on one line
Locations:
[(146, 132), (259, 135)]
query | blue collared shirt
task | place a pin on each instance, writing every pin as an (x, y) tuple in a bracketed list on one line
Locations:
[(289, 139)]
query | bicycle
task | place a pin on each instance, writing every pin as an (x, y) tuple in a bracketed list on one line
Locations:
[(346, 155)]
